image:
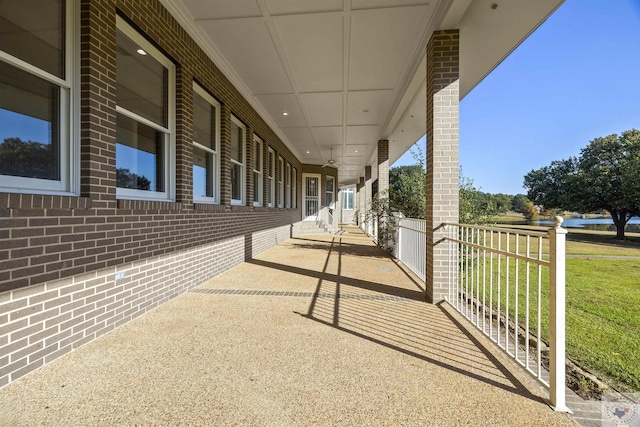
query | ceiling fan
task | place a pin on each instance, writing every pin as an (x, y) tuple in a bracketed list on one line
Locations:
[(331, 163)]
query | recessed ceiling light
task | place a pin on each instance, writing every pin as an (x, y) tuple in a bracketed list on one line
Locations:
[(356, 151), (284, 113), (307, 151), (141, 52)]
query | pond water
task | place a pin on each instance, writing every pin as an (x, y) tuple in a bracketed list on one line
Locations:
[(600, 224)]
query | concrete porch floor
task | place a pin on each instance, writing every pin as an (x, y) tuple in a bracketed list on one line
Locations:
[(321, 330)]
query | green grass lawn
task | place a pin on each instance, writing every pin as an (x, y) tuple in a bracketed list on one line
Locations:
[(603, 319), (603, 305)]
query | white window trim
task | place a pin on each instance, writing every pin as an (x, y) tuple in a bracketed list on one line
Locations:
[(331, 190), (257, 173), (170, 133), (345, 192), (271, 178), (294, 193), (243, 154), (280, 173), (216, 151), (288, 185), (69, 183)]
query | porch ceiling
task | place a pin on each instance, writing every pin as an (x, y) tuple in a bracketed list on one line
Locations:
[(349, 72)]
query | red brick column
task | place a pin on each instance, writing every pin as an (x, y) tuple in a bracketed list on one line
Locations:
[(383, 165), (442, 154), (367, 186), (361, 196)]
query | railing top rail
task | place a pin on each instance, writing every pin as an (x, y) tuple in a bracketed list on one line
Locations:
[(535, 259), (412, 229), (500, 229)]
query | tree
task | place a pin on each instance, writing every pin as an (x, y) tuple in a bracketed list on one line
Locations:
[(407, 186), (517, 203), (604, 176), (127, 179), (529, 211), (474, 207), (29, 159)]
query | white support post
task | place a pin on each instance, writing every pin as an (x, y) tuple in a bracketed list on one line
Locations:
[(557, 337)]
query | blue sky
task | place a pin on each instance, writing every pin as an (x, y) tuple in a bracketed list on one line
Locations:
[(577, 77)]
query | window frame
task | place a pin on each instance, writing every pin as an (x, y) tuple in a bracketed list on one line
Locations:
[(257, 173), (294, 189), (68, 120), (170, 131), (242, 164), (288, 186), (348, 193), (215, 199), (280, 173), (271, 179), (330, 191)]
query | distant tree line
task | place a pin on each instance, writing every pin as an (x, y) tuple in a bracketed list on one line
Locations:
[(407, 186)]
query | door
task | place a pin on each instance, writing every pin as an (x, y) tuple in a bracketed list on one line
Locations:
[(311, 197)]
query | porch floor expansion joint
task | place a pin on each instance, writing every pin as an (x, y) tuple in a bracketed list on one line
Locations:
[(330, 295)]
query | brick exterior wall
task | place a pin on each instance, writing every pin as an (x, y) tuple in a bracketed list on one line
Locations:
[(59, 254), (443, 119)]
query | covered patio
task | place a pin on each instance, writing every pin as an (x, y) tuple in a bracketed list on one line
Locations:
[(320, 330)]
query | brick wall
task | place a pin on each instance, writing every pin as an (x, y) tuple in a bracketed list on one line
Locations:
[(58, 254), (43, 322), (443, 119)]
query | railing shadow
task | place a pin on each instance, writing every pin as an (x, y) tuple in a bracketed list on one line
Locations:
[(427, 332)]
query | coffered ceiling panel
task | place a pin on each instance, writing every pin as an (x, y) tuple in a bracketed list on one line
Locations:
[(313, 48), (382, 41), (324, 109), (362, 135), (278, 105), (205, 9), (289, 7), (299, 136), (247, 44), (330, 135), (367, 107)]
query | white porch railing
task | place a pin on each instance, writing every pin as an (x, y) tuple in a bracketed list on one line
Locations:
[(411, 241), (327, 218), (510, 284)]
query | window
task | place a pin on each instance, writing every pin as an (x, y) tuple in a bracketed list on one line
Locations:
[(145, 149), (294, 192), (257, 171), (238, 138), (329, 201), (280, 182), (347, 198), (206, 146), (271, 174), (37, 100), (288, 181)]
